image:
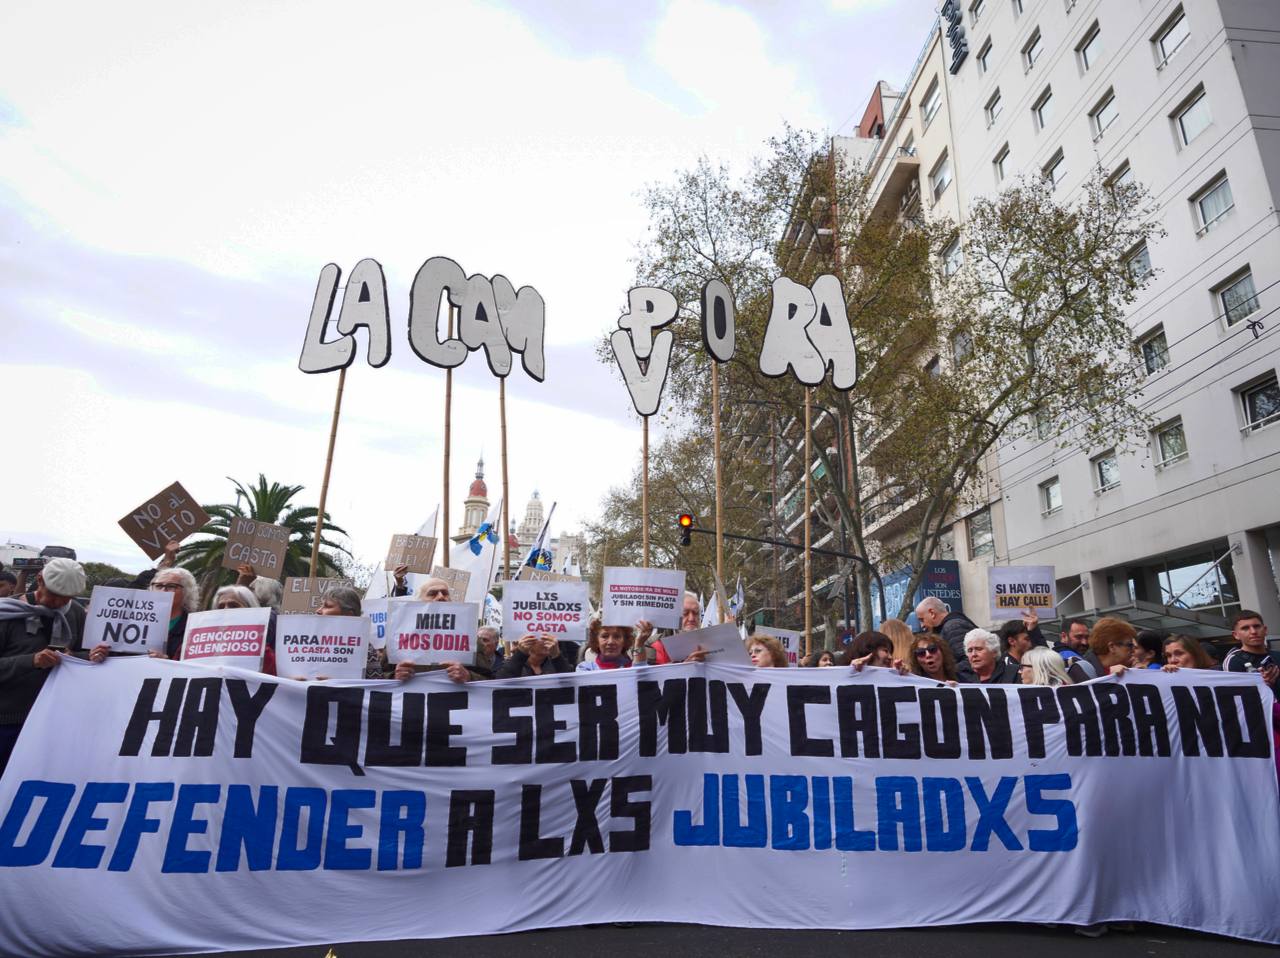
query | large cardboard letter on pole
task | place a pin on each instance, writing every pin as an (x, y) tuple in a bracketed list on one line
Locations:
[(416, 552), (170, 515), (628, 594), (558, 609), (427, 632), (1016, 588), (231, 637), (321, 646), (128, 620), (642, 347), (808, 332), (260, 544), (719, 335)]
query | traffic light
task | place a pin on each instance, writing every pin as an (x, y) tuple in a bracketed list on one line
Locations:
[(685, 522)]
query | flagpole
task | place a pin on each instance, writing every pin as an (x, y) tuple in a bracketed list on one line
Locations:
[(644, 493), (324, 483), (448, 411), (808, 530), (715, 428), (506, 500)]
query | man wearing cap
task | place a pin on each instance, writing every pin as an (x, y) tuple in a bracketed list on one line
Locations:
[(33, 629)]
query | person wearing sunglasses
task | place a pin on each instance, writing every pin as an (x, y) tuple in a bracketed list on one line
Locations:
[(931, 658), (1112, 643)]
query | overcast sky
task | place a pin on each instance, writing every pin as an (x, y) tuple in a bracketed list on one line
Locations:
[(173, 176)]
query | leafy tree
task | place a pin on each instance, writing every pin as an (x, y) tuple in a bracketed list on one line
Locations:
[(262, 502), (96, 573)]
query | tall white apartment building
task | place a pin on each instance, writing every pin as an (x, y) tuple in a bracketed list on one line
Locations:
[(1184, 97)]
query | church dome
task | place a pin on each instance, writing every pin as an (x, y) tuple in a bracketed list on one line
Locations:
[(478, 489), (512, 541)]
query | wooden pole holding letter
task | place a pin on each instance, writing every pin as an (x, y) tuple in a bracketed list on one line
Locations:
[(808, 527), (448, 425), (715, 429), (314, 570), (644, 492), (506, 496)]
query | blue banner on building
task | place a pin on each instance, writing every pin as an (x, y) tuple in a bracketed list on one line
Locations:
[(941, 578)]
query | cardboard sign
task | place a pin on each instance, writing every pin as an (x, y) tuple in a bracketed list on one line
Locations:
[(790, 642), (233, 637), (458, 580), (529, 574), (128, 620), (558, 609), (1015, 588), (375, 614), (722, 643), (427, 632), (306, 595), (416, 552), (168, 516), (630, 594), (260, 544), (321, 646)]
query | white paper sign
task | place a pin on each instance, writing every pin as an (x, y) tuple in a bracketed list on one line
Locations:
[(375, 613), (321, 646), (128, 620), (722, 643), (558, 609), (428, 632), (629, 594), (1015, 588), (235, 637), (790, 641)]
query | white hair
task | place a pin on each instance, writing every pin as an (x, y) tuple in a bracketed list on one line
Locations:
[(989, 639), (240, 592), (190, 591), (933, 603), (694, 597), (269, 592), (1047, 667)]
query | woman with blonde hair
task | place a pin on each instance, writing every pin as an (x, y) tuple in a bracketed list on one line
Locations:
[(1041, 666), (904, 640)]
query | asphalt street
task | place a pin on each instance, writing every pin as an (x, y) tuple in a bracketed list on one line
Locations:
[(703, 941)]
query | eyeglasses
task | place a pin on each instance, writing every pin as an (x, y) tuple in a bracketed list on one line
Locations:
[(927, 650), (166, 586), (431, 592)]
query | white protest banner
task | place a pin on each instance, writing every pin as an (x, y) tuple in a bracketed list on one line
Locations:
[(648, 787), (234, 637), (458, 579), (259, 544), (558, 609), (790, 641), (722, 643), (306, 595), (1015, 588), (169, 516), (375, 610), (321, 646), (417, 553), (128, 620), (630, 594), (428, 632)]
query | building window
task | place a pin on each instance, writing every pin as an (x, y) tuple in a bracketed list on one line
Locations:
[(981, 540), (961, 346), (1237, 297), (1050, 496), (1055, 169), (1170, 38), (1192, 117), (984, 57), (1090, 48), (993, 108), (1155, 350), (1170, 443), (1044, 425), (932, 100), (1106, 471), (947, 544), (1031, 52), (940, 178), (952, 258), (1001, 163), (933, 368), (1042, 108), (975, 10), (1261, 403), (1213, 203), (1103, 115), (1121, 176), (1139, 263)]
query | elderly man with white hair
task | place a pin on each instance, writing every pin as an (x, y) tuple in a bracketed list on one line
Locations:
[(690, 619), (934, 616), (982, 650)]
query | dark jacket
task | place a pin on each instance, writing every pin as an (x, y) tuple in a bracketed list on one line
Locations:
[(20, 640), (1004, 674), (1079, 674), (177, 629), (954, 628), (517, 666)]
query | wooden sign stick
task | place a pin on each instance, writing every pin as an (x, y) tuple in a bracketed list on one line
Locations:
[(448, 411), (715, 428), (808, 529), (644, 492), (506, 497), (324, 483)]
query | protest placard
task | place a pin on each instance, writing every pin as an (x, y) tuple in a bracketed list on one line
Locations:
[(128, 620), (321, 646), (427, 632), (629, 594), (459, 580), (234, 637), (416, 552), (558, 609), (375, 612), (722, 643), (1015, 588), (529, 574), (259, 544), (790, 641), (168, 516), (305, 595)]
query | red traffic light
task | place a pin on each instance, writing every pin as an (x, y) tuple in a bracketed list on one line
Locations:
[(685, 520)]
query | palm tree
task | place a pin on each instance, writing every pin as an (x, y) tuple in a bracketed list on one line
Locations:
[(262, 502)]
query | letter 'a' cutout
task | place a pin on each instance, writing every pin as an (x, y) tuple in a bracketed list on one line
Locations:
[(718, 321), (365, 304)]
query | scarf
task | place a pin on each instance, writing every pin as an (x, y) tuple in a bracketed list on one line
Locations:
[(21, 609)]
